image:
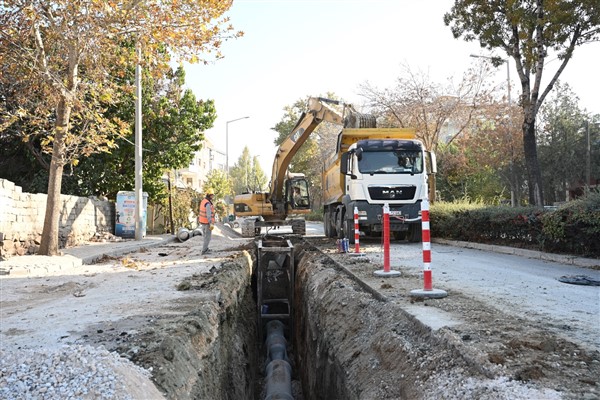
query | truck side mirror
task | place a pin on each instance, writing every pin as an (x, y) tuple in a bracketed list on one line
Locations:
[(344, 164), (432, 164)]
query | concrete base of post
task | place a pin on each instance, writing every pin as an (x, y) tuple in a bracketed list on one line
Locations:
[(390, 274), (430, 294)]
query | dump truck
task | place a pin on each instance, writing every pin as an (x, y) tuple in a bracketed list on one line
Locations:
[(372, 167)]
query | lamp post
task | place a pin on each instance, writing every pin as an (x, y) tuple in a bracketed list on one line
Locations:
[(513, 200), (227, 142), (139, 200)]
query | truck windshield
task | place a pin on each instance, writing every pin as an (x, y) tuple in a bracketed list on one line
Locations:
[(391, 162)]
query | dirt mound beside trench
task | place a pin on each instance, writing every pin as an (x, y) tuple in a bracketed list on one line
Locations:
[(359, 347)]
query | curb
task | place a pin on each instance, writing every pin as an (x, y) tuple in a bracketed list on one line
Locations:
[(558, 258)]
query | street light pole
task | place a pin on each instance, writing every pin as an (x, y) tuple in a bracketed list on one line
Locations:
[(513, 199), (227, 142), (139, 200)]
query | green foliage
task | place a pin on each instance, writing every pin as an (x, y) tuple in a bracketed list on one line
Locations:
[(315, 215), (217, 180), (247, 175), (184, 215), (528, 31), (494, 23), (562, 144), (572, 229), (173, 124)]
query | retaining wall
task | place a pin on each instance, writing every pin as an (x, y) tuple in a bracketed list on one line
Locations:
[(22, 219)]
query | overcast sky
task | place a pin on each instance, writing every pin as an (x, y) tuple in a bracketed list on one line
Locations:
[(295, 48)]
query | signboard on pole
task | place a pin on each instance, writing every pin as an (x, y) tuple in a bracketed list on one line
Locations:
[(125, 214)]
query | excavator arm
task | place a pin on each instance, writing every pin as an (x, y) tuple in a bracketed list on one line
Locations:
[(317, 112)]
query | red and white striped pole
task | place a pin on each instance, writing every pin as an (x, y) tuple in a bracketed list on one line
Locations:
[(356, 232), (428, 290), (386, 272), (386, 238), (426, 239)]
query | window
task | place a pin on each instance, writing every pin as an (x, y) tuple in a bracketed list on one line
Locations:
[(391, 162)]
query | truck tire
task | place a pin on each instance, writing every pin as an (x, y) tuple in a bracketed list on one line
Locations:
[(349, 230), (248, 228), (414, 233), (400, 235), (326, 227), (299, 227), (332, 230), (339, 224)]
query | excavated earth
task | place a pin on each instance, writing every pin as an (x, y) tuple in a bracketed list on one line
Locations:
[(191, 321)]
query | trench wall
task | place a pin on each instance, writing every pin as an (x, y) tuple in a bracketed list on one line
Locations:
[(210, 353), (343, 342), (22, 219)]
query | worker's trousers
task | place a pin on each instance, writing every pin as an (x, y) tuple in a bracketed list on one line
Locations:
[(207, 235)]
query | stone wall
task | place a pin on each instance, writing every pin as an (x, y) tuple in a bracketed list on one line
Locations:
[(22, 219)]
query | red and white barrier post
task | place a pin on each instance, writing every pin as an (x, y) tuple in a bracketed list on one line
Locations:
[(386, 272), (428, 290), (356, 232)]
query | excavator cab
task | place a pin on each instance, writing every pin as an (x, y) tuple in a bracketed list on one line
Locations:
[(296, 194)]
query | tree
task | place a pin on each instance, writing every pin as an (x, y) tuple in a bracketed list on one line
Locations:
[(66, 50), (527, 31), (174, 122), (319, 146), (246, 174), (484, 162), (432, 109), (260, 179), (562, 144), (218, 181)]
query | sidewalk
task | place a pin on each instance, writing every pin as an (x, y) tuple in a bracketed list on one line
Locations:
[(76, 256)]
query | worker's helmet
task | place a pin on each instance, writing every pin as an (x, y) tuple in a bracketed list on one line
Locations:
[(210, 191)]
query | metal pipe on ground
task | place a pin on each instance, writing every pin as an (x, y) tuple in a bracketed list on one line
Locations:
[(183, 234), (278, 382)]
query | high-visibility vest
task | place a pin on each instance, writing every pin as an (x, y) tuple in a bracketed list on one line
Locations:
[(202, 217)]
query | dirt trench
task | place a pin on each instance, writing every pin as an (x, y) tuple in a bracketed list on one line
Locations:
[(343, 348), (350, 343)]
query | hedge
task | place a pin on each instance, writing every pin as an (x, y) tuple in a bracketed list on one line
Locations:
[(573, 228)]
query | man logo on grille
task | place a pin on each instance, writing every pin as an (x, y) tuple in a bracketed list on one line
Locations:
[(392, 193)]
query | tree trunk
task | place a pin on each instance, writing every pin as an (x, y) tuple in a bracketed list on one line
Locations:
[(49, 243), (534, 176)]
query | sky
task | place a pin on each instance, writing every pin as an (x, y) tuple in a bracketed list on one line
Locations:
[(292, 49)]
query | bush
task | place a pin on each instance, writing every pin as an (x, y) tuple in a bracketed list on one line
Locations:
[(574, 227), (315, 215), (571, 229)]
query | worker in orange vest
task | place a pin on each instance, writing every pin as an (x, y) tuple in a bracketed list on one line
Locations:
[(206, 217)]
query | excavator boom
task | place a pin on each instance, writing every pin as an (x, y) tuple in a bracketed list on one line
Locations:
[(317, 112)]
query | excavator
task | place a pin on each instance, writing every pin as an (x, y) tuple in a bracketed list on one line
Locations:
[(288, 195)]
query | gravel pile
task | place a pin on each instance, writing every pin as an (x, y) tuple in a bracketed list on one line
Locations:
[(68, 372)]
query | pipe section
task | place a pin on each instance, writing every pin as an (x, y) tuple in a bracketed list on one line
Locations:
[(278, 382)]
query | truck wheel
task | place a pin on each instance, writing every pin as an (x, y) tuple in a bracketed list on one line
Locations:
[(349, 230), (326, 227), (299, 227), (332, 230), (414, 233), (339, 224), (248, 228), (400, 235)]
